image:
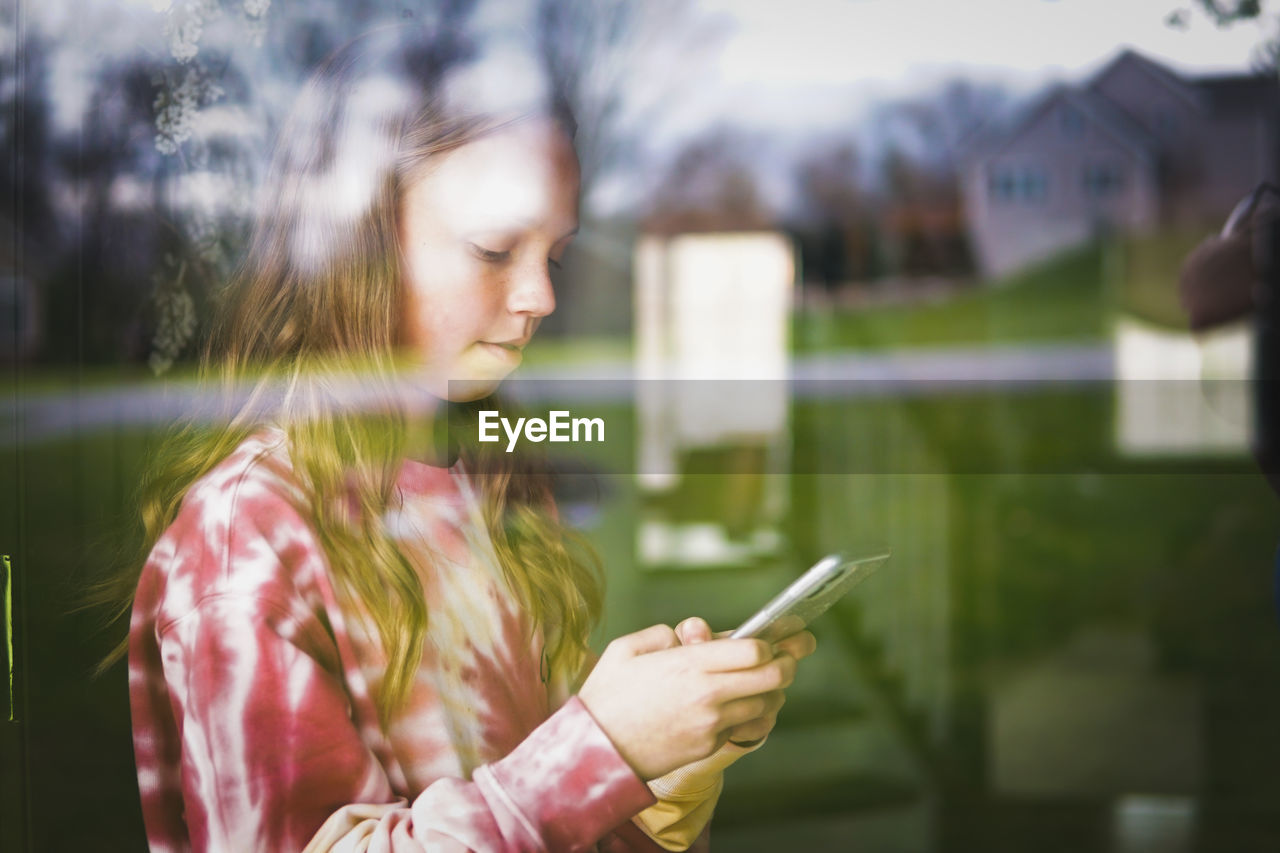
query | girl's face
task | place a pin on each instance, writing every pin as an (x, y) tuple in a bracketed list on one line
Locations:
[(481, 230)]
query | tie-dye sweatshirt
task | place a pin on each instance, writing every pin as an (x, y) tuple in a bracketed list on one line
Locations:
[(253, 722)]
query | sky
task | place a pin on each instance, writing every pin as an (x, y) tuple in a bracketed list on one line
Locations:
[(768, 52), (804, 69), (813, 60), (792, 68)]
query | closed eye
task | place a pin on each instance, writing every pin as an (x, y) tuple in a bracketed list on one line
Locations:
[(488, 255)]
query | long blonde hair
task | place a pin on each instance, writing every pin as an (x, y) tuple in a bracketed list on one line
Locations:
[(315, 305)]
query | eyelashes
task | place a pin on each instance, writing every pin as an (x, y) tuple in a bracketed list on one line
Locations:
[(490, 256)]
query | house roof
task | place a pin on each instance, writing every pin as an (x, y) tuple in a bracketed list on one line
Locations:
[(1240, 93), (1100, 111), (1216, 95), (1166, 77)]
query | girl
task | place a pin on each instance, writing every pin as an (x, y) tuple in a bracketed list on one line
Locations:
[(344, 638)]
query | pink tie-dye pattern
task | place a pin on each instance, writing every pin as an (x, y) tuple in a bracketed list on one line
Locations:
[(251, 692)]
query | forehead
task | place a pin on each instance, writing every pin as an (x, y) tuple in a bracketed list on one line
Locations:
[(526, 173)]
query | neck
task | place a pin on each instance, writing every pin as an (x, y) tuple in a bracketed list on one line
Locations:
[(433, 438)]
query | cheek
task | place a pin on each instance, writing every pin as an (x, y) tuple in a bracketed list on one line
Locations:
[(444, 301)]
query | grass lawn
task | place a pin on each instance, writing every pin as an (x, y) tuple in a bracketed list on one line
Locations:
[(1069, 297), (1062, 299), (1152, 264), (559, 352)]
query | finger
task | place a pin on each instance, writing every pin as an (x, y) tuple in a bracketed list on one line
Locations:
[(729, 655), (752, 709), (760, 727), (693, 630), (652, 639), (777, 674), (799, 645), (752, 730)]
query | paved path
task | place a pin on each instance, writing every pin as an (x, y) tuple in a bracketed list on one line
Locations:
[(918, 372)]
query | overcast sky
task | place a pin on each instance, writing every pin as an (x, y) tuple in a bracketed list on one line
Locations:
[(793, 68), (816, 61), (805, 60)]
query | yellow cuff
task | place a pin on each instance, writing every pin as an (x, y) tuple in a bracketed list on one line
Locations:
[(693, 780), (686, 798)]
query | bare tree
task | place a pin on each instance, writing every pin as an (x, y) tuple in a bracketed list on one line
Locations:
[(709, 186), (1224, 13), (597, 53), (935, 127)]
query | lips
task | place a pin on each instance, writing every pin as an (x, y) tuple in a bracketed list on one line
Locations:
[(503, 350)]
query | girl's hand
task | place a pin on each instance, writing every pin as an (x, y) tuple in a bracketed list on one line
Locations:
[(798, 645), (665, 705)]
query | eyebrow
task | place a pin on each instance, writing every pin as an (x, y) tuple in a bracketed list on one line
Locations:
[(530, 225)]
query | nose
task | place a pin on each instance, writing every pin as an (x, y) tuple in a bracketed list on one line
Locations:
[(531, 291)]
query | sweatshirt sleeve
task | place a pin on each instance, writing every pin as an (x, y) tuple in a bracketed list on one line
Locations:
[(271, 759), (685, 798)]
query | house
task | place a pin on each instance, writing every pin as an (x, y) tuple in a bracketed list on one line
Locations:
[(1136, 148)]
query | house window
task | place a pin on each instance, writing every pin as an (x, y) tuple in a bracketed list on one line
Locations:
[(1071, 122), (1017, 183), (1034, 184), (1000, 184), (1102, 180)]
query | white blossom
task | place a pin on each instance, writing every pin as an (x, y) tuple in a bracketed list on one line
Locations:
[(184, 26), (176, 108), (175, 320), (256, 29)]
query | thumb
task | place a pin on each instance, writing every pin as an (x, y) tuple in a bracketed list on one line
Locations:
[(655, 638), (693, 630)]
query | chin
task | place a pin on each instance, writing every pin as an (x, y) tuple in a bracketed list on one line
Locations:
[(468, 390)]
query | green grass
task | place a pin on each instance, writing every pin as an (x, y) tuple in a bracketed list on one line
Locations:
[(38, 379), (559, 352), (1151, 264), (1061, 299), (1070, 297)]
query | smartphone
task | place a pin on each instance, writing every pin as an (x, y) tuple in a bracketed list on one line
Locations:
[(809, 596)]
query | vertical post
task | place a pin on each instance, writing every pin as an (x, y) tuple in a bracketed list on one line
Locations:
[(1266, 361), (8, 631)]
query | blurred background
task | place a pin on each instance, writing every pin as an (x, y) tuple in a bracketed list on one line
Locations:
[(852, 274)]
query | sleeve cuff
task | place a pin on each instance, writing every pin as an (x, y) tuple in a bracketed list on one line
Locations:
[(696, 780), (566, 783), (687, 796)]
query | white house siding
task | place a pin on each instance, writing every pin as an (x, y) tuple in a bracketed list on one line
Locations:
[(1160, 104), (1172, 112), (1189, 150), (1010, 233)]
